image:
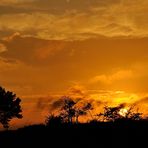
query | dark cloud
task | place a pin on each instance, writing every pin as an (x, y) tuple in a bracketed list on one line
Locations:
[(38, 51), (77, 91), (31, 50), (82, 19), (112, 61), (42, 103), (56, 104), (50, 103), (52, 6), (10, 10), (81, 97)]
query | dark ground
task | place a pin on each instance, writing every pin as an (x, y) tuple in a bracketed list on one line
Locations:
[(93, 135)]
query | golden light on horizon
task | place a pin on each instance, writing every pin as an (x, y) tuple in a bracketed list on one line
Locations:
[(123, 112)]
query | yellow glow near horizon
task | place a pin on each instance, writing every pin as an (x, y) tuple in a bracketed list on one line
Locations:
[(123, 112)]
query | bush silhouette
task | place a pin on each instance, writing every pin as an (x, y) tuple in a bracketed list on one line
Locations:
[(9, 107), (53, 120)]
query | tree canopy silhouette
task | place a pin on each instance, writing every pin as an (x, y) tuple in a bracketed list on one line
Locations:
[(9, 107), (113, 114), (70, 111), (80, 111)]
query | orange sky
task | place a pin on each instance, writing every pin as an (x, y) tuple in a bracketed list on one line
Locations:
[(93, 49)]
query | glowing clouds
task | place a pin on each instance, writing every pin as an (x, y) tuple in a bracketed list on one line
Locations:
[(124, 74), (3, 48), (99, 45), (75, 20)]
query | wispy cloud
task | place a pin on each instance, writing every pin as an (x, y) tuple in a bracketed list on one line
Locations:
[(3, 48), (109, 18), (119, 75)]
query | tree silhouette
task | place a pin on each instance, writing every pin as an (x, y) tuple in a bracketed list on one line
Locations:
[(113, 114), (81, 111), (132, 115), (9, 107), (72, 111), (68, 109)]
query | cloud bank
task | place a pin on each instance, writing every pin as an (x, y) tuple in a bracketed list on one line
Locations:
[(75, 20)]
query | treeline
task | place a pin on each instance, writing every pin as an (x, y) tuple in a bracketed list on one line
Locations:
[(69, 113)]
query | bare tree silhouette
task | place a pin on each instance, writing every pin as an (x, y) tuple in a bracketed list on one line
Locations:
[(71, 110), (82, 111), (68, 110), (133, 115), (9, 107), (113, 114)]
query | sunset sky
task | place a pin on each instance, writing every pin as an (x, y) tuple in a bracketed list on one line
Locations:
[(93, 49)]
